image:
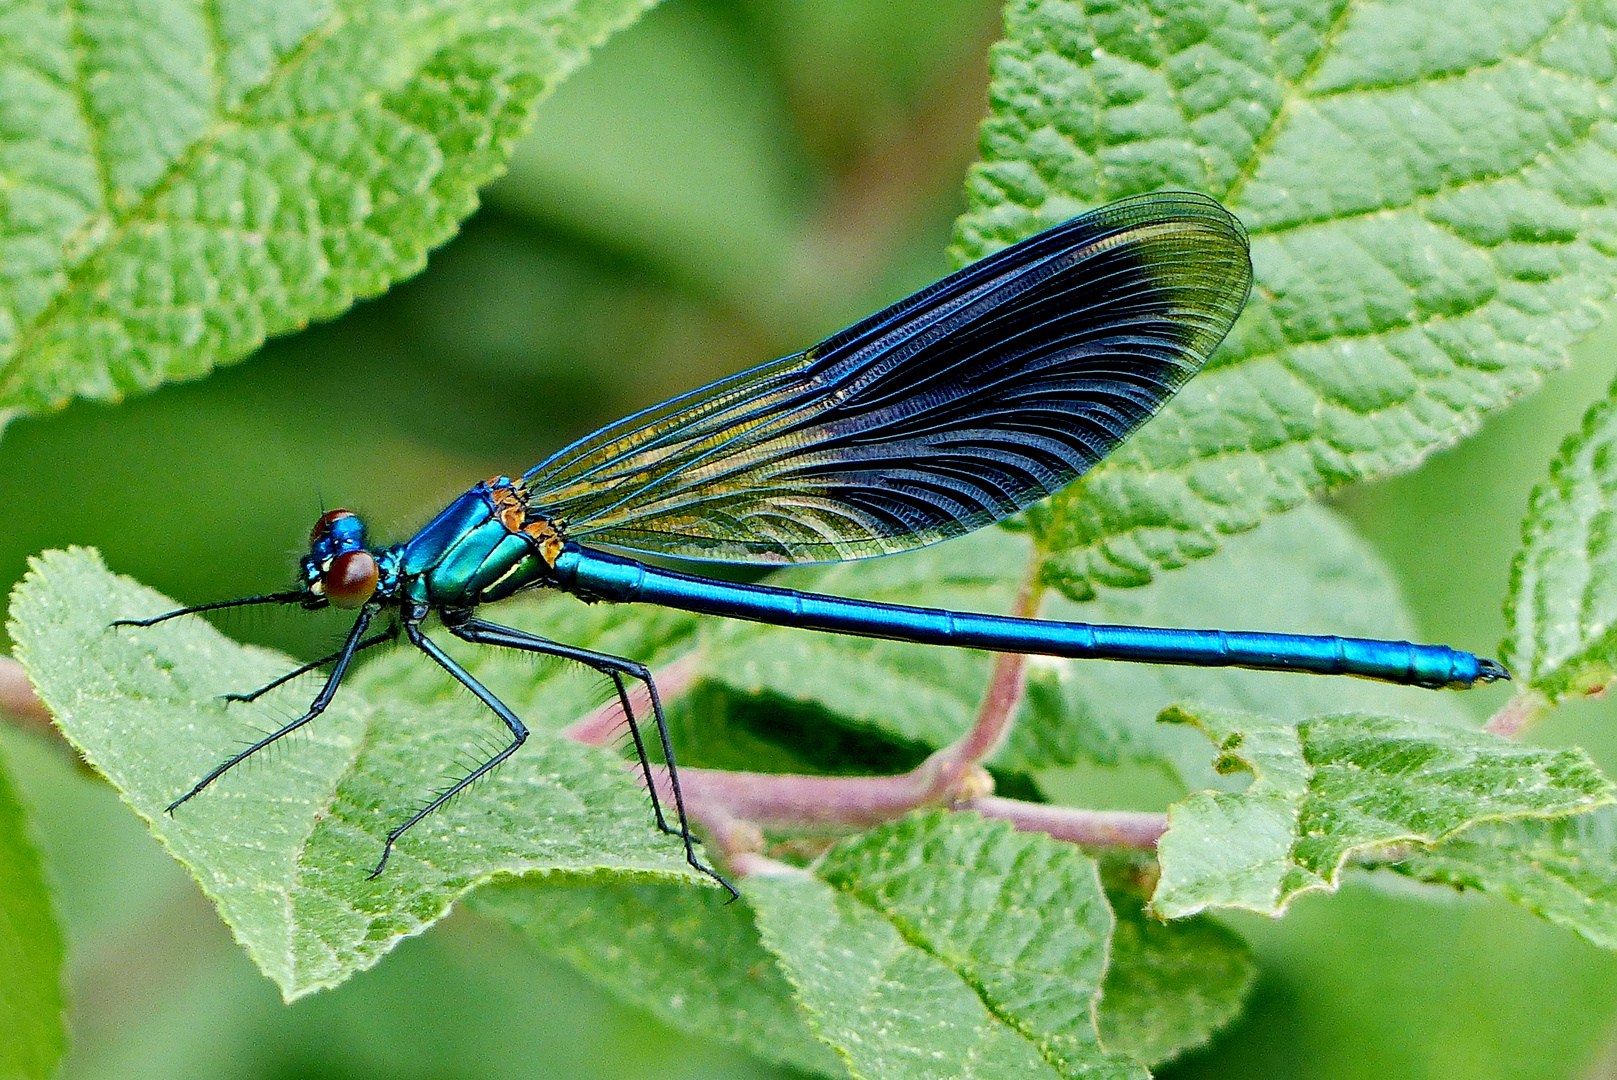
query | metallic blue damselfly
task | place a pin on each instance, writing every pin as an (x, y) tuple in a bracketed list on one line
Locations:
[(947, 412)]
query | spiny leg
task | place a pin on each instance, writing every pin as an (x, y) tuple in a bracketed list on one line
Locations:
[(389, 634), (519, 735), (614, 667), (640, 751), (316, 707), (487, 633)]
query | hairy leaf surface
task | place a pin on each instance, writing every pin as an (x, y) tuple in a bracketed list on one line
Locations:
[(1333, 786), (944, 939), (179, 181), (685, 955), (1563, 870), (1429, 191), (284, 846)]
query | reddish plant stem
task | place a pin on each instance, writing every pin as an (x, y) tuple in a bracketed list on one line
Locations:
[(776, 799), (19, 703), (1094, 828), (1520, 713), (733, 805), (1001, 700), (598, 727)]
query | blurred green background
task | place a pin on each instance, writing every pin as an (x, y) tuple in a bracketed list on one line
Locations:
[(728, 180)]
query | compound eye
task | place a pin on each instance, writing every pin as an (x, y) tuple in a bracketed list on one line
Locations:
[(351, 579)]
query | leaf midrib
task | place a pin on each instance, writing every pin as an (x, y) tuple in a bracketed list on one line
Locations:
[(1296, 91), (916, 940)]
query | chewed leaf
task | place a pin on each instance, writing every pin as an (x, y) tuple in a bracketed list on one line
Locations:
[(284, 849), (184, 180), (1428, 189), (1562, 609), (1334, 786), (1563, 870)]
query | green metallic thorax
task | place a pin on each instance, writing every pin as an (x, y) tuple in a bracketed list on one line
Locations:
[(468, 555)]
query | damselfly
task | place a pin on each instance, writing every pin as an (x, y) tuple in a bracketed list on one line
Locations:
[(948, 411)]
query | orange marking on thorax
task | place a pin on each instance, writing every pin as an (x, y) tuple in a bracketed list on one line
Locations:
[(511, 507)]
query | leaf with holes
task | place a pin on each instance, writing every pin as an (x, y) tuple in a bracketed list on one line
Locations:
[(284, 849), (1429, 190), (1334, 786), (179, 181), (1563, 870)]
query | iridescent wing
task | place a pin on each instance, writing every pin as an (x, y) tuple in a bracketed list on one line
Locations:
[(946, 412)]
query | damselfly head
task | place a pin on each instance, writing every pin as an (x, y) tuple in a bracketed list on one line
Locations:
[(338, 567)]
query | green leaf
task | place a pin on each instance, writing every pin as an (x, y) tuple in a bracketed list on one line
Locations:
[(183, 180), (284, 849), (30, 952), (945, 945), (1563, 584), (1170, 985), (1563, 870), (695, 962), (1428, 190), (684, 955), (1334, 786), (1305, 572)]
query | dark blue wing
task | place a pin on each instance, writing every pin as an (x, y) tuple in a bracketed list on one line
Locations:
[(946, 412)]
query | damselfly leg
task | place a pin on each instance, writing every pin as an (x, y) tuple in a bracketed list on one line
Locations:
[(481, 632), (318, 706), (390, 634)]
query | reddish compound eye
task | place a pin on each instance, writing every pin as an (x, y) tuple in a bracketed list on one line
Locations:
[(351, 579)]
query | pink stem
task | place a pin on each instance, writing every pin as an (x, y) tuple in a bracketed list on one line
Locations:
[(860, 801), (18, 702), (1095, 828), (598, 727), (732, 805), (1520, 713), (808, 801), (949, 767)]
